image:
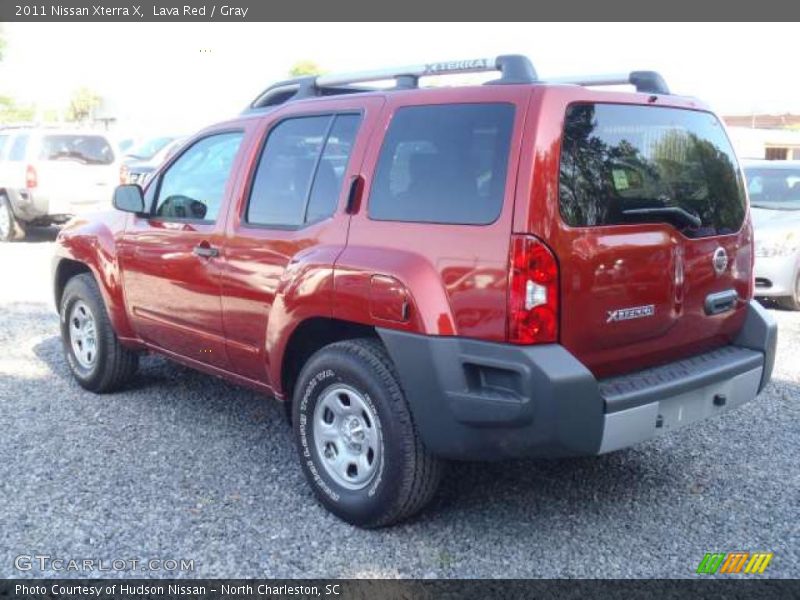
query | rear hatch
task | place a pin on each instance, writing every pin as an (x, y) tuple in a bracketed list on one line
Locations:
[(76, 172), (654, 247)]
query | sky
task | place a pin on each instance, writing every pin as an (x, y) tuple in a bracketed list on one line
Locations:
[(178, 77)]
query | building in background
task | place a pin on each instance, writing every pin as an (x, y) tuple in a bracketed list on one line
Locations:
[(774, 137)]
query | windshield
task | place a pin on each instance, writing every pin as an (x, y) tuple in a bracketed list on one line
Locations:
[(624, 164), (149, 147), (774, 188)]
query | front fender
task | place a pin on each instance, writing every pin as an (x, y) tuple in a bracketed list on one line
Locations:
[(94, 243)]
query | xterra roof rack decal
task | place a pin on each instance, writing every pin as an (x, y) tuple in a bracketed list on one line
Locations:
[(514, 69)]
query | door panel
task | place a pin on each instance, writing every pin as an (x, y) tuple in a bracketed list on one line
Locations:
[(173, 294), (171, 259), (278, 259)]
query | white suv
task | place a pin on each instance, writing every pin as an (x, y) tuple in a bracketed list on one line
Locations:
[(50, 175)]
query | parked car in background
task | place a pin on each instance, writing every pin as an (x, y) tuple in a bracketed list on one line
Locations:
[(143, 151), (48, 175), (125, 144), (774, 187), (139, 171)]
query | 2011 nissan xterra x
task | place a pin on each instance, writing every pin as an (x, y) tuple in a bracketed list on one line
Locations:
[(519, 268)]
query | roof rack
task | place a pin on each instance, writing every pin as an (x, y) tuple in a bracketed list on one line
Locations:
[(513, 68), (648, 82)]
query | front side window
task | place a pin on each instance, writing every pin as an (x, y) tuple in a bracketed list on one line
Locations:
[(299, 176), (625, 164), (443, 163), (193, 187), (85, 149)]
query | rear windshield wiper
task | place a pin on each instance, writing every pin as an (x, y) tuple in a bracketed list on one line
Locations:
[(670, 211)]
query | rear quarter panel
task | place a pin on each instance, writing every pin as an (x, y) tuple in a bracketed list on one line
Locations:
[(452, 276)]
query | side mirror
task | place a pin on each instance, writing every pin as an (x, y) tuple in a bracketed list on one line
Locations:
[(129, 198)]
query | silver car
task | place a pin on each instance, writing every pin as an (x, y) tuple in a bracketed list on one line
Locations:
[(774, 188), (48, 175)]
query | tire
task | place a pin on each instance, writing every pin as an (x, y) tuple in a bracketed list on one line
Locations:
[(404, 475), (792, 302), (10, 228), (97, 360)]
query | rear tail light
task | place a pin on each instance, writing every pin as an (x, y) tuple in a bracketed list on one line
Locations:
[(532, 292), (31, 178)]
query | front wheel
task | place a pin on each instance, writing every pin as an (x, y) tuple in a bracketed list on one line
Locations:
[(358, 445), (95, 356), (792, 302)]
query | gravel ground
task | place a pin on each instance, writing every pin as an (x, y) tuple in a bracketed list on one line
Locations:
[(185, 466)]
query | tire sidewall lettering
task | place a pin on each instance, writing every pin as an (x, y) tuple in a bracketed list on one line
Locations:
[(311, 394)]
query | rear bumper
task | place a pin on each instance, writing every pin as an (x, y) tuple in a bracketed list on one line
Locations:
[(487, 401), (38, 206), (26, 205)]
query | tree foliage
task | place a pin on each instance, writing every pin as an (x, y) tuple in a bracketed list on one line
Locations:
[(11, 112), (82, 104), (305, 67)]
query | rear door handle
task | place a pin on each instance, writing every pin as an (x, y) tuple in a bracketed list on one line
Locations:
[(720, 302), (205, 251), (354, 195)]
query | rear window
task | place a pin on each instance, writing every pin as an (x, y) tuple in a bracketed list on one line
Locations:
[(86, 149), (630, 164), (443, 164)]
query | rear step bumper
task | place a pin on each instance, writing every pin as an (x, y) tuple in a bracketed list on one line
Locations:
[(486, 401)]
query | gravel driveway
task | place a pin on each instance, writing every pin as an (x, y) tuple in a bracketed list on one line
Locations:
[(185, 466)]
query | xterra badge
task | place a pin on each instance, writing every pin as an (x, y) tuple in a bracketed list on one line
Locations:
[(634, 312)]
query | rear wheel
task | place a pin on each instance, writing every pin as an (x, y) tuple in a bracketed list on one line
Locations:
[(792, 302), (357, 441), (10, 227), (96, 358)]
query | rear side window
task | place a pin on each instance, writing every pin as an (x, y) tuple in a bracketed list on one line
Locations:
[(630, 164), (18, 148), (299, 176), (85, 149), (443, 163)]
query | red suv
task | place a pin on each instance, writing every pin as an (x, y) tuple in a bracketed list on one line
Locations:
[(520, 268)]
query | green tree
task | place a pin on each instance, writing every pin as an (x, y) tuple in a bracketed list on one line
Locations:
[(305, 67), (82, 104), (11, 112)]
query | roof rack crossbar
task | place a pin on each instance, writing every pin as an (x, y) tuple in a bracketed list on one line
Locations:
[(513, 68), (649, 82)]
